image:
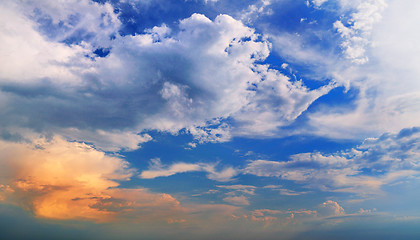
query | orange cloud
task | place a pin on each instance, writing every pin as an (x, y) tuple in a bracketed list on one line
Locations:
[(69, 180)]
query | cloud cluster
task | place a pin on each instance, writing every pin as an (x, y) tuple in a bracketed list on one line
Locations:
[(89, 83)]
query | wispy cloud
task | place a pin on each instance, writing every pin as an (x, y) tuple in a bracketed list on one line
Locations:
[(390, 158), (237, 200)]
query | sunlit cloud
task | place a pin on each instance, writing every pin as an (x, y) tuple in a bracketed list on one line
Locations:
[(69, 180)]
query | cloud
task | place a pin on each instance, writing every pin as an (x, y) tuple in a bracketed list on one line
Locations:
[(387, 87), (356, 47), (156, 169), (288, 192), (356, 35), (61, 180), (284, 217), (236, 194), (330, 208), (242, 189), (69, 180), (284, 191), (318, 2), (260, 8), (389, 158), (237, 200), (159, 80)]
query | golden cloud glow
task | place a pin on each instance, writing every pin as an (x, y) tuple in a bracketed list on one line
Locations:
[(69, 180)]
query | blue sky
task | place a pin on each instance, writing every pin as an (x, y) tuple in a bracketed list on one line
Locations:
[(209, 119)]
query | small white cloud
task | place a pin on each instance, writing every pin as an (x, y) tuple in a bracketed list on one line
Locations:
[(157, 169), (254, 11), (237, 200), (318, 3)]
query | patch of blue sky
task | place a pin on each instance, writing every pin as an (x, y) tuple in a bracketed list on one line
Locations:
[(237, 153), (337, 97), (137, 16)]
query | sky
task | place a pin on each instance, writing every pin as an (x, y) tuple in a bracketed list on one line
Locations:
[(209, 119)]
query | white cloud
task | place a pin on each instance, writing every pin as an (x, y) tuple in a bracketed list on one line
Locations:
[(157, 169), (29, 56), (277, 103), (108, 140), (390, 159), (385, 88), (157, 80), (357, 30), (254, 11), (66, 21), (288, 192), (318, 3)]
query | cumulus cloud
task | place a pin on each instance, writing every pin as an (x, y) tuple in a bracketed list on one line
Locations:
[(330, 208), (357, 30), (93, 85), (69, 180)]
